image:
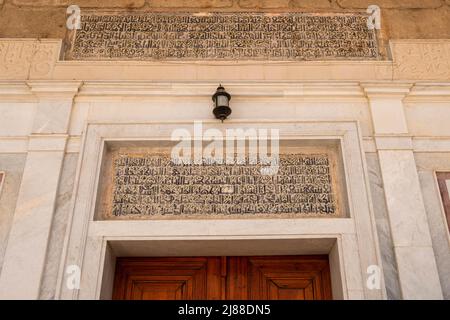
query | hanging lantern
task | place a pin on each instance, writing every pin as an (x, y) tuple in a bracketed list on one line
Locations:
[(221, 103)]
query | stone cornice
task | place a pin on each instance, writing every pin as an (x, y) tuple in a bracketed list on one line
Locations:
[(54, 90), (33, 59), (429, 92), (386, 90), (32, 91), (247, 89), (49, 142), (16, 91), (393, 142)]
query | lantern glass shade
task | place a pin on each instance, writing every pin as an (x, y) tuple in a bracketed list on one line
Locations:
[(222, 101)]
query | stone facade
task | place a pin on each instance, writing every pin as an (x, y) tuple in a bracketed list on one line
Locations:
[(411, 19), (12, 164), (385, 121), (391, 4)]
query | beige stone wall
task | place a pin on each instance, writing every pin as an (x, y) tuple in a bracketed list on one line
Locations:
[(12, 164), (59, 224), (405, 19)]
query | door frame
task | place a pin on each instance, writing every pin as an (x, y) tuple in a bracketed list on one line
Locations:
[(232, 247), (89, 242)]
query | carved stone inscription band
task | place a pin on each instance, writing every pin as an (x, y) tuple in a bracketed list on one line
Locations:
[(151, 185), (227, 36)]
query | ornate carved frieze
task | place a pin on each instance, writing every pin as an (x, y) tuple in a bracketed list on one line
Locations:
[(425, 60), (146, 186), (223, 36), (28, 59), (15, 58)]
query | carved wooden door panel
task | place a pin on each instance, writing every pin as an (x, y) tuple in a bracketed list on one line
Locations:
[(167, 279), (227, 278), (280, 278)]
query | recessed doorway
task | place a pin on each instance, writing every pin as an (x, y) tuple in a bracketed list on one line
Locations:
[(226, 278)]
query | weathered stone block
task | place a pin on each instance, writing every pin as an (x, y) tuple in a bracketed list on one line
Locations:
[(417, 24), (265, 4), (26, 22), (319, 4), (190, 3), (406, 4), (82, 3)]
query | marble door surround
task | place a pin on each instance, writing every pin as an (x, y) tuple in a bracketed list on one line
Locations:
[(91, 244), (351, 242)]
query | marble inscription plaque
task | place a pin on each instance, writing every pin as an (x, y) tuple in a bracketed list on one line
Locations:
[(149, 185), (222, 36)]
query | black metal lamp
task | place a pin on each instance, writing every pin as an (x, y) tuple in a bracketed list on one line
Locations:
[(221, 103)]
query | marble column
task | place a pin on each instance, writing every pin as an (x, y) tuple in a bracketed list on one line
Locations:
[(28, 239), (416, 263)]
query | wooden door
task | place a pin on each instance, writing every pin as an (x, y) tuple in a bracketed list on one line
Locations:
[(279, 278), (167, 279), (226, 278)]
